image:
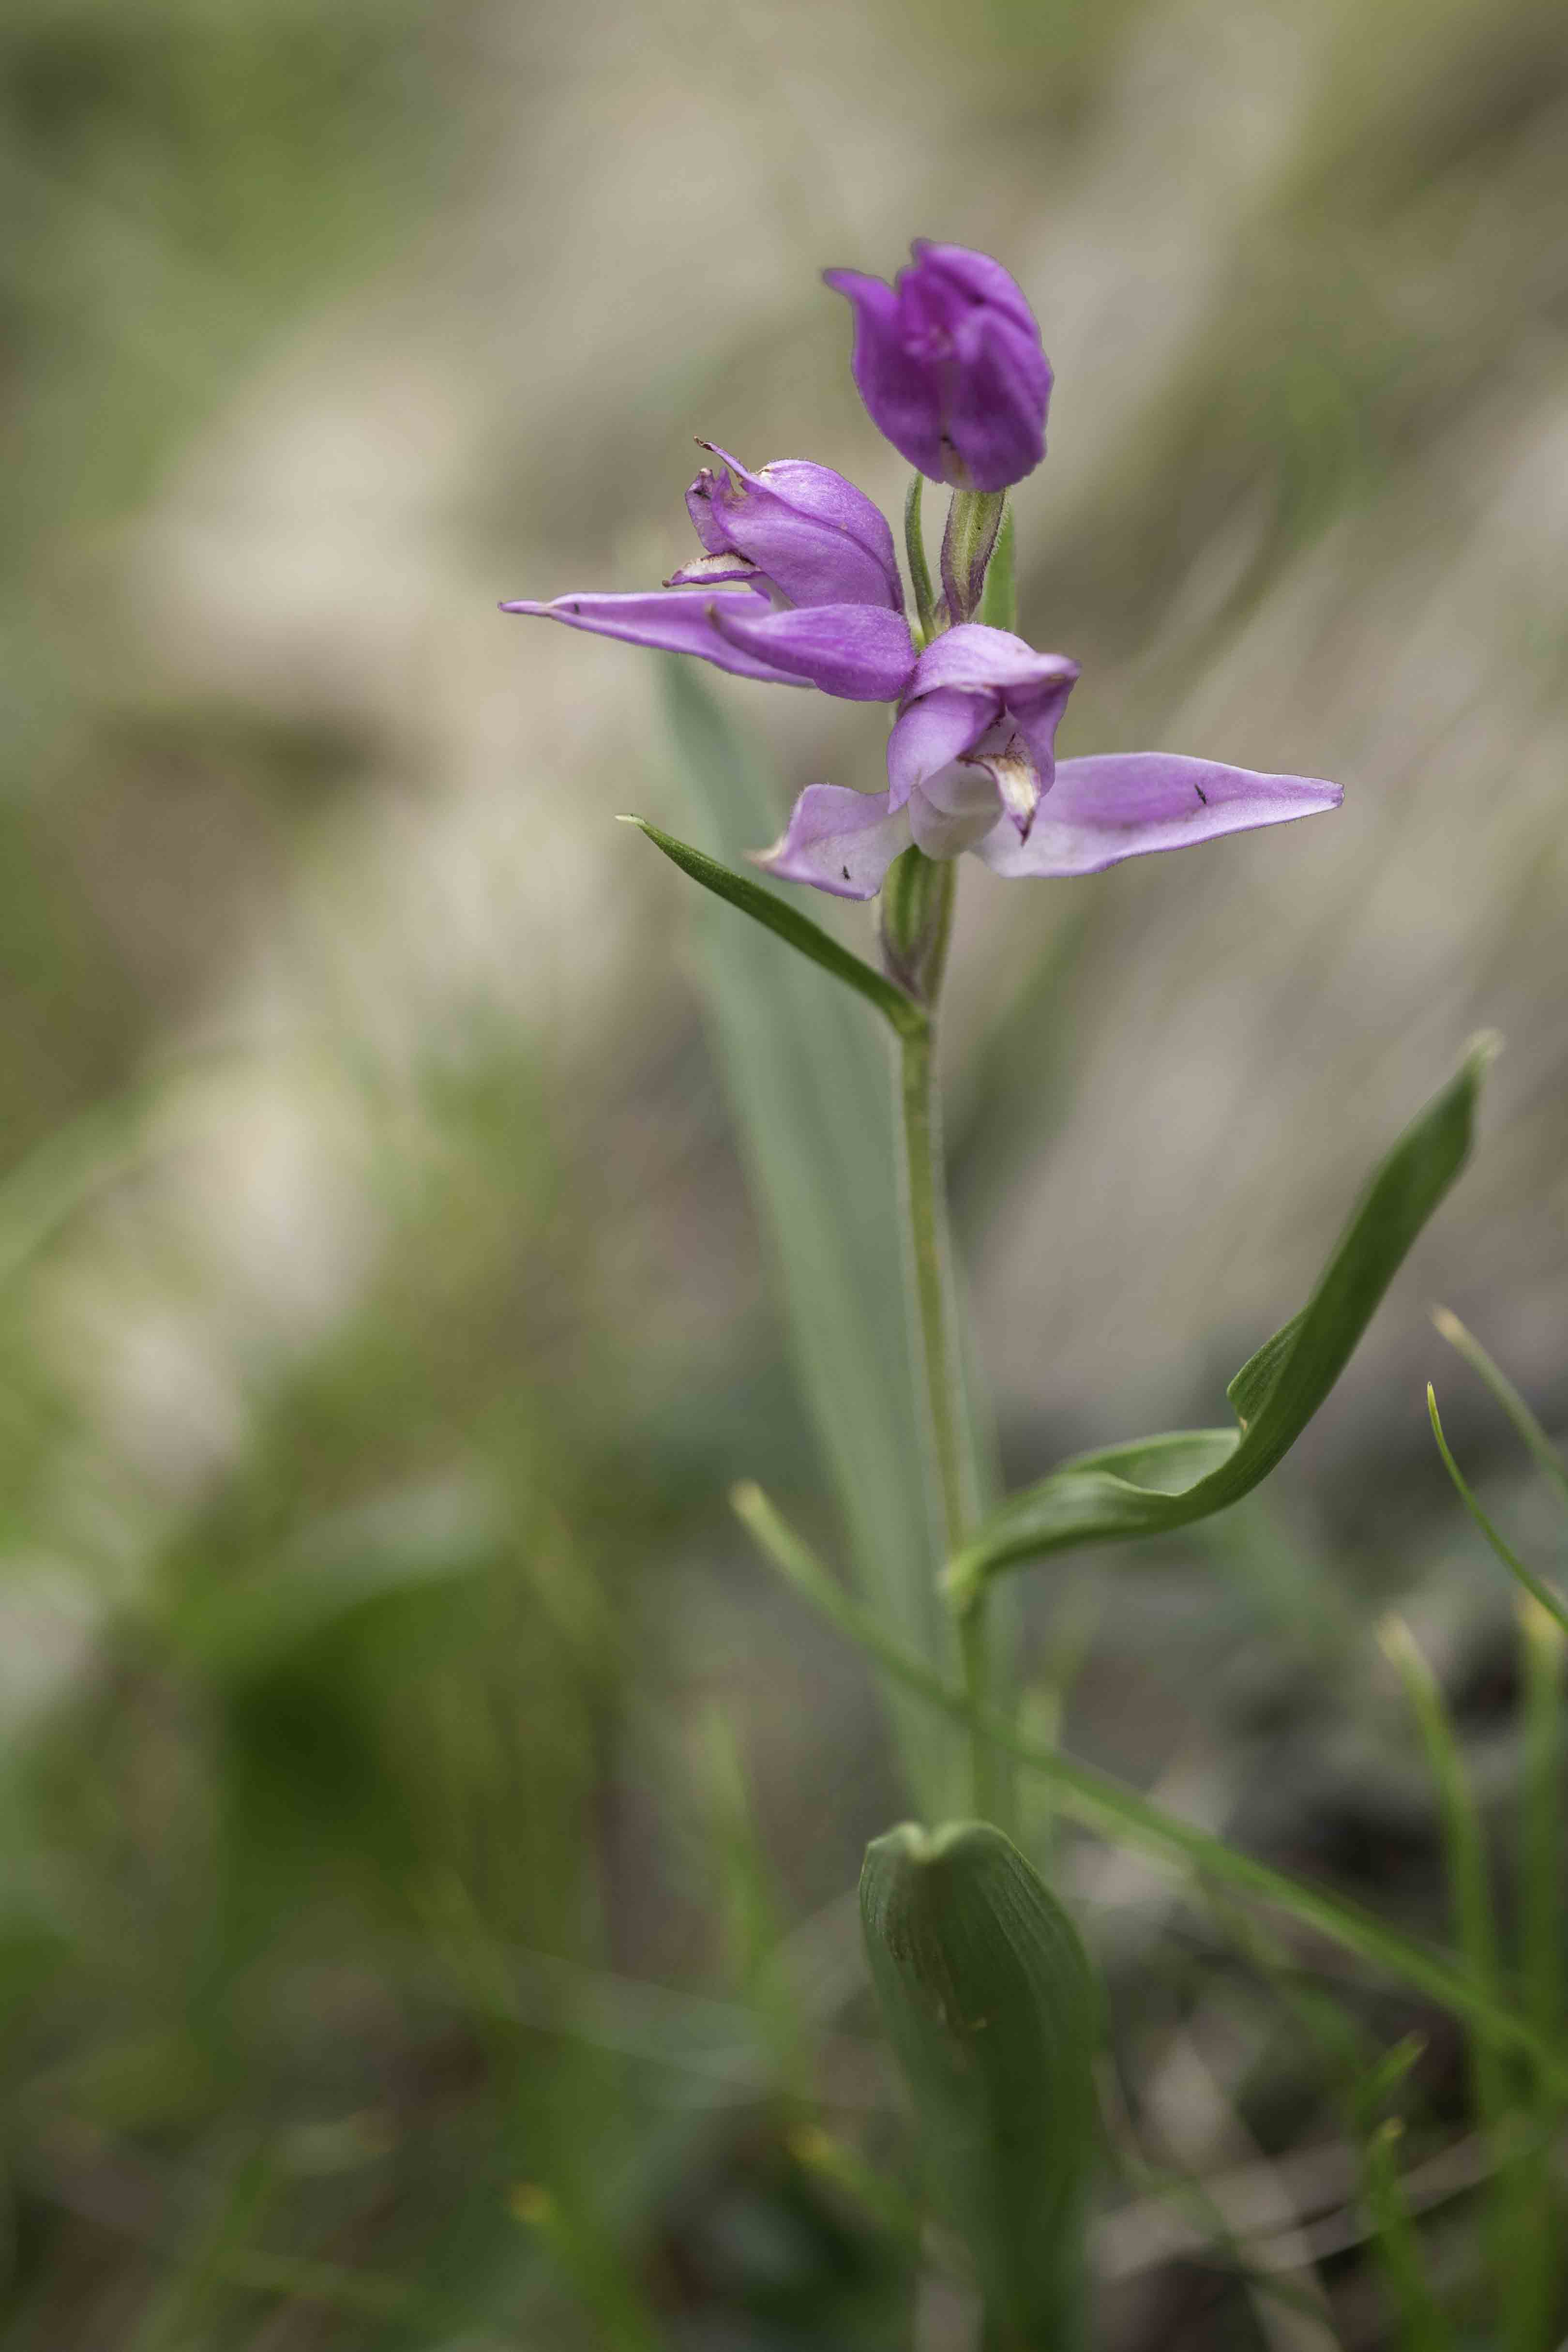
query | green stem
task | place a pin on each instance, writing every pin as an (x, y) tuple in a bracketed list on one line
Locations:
[(925, 1210), (928, 1262), (1111, 1809)]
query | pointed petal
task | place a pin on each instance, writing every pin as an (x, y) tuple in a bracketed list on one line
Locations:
[(930, 733), (977, 278), (954, 811), (839, 841), (861, 652), (977, 659), (1131, 803), (900, 391), (671, 620), (996, 404), (812, 531)]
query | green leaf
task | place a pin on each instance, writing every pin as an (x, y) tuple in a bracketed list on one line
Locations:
[(811, 1090), (989, 2002), (1157, 1482), (1111, 1809), (789, 923)]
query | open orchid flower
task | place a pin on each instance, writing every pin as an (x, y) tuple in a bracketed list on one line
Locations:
[(971, 764), (949, 364), (1101, 810), (797, 585)]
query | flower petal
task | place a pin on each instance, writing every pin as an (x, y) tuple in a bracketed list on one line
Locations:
[(815, 535), (997, 404), (838, 840), (1036, 713), (671, 620), (976, 278), (861, 652), (900, 393), (1013, 772), (949, 364), (933, 731), (954, 811), (977, 659), (1130, 804)]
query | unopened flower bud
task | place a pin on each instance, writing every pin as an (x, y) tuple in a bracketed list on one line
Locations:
[(949, 364)]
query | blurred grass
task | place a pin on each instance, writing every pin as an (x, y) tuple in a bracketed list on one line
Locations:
[(386, 1959)]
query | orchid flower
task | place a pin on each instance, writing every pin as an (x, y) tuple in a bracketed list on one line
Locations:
[(798, 584), (949, 362)]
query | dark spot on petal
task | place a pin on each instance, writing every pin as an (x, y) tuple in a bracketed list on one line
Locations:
[(574, 608), (1202, 794), (846, 872)]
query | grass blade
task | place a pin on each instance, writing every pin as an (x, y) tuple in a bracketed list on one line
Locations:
[(1422, 2324), (1541, 1956), (1540, 1591), (1464, 1343), (1469, 1891)]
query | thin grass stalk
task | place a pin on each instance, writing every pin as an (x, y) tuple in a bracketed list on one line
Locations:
[(1419, 2318), (1545, 1456), (1536, 1587), (1475, 1925), (1540, 1961)]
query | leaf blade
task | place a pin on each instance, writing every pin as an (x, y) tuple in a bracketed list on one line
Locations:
[(990, 2003), (1092, 1499), (787, 923)]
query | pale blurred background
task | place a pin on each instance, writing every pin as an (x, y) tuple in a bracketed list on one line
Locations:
[(371, 1200)]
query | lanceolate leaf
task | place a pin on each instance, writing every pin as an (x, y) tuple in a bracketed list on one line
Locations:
[(1166, 1482), (789, 923), (989, 2002)]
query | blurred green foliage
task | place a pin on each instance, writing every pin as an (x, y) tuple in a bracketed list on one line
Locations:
[(396, 1947)]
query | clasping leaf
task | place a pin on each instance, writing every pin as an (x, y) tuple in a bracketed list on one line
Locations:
[(990, 2004), (1157, 1483)]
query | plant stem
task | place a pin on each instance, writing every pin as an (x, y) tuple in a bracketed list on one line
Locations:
[(1110, 1810), (928, 1263), (925, 1209)]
